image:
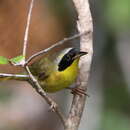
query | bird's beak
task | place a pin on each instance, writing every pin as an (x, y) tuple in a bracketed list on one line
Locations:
[(81, 53)]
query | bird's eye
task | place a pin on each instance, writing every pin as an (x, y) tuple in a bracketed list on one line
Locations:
[(68, 58)]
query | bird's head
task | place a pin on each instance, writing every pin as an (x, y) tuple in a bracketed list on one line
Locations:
[(69, 56)]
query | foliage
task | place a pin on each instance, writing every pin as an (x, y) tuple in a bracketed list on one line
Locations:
[(3, 60), (15, 60)]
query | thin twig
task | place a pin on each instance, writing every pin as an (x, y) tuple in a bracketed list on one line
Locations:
[(33, 81), (55, 45), (27, 28), (14, 76)]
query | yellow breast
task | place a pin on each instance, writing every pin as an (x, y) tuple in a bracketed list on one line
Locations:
[(59, 80)]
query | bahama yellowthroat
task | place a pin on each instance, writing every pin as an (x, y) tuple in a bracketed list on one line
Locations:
[(56, 72)]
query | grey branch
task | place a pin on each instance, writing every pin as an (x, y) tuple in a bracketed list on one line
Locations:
[(32, 80), (53, 106), (14, 76), (55, 45), (27, 28), (84, 24)]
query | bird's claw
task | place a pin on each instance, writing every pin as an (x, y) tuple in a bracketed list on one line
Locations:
[(53, 106), (79, 91)]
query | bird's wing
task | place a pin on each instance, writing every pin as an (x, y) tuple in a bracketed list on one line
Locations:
[(43, 67)]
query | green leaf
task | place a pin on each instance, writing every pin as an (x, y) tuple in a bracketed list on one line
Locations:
[(3, 60), (17, 59)]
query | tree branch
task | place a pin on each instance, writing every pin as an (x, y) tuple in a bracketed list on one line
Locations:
[(27, 28), (55, 45), (84, 24), (14, 76), (32, 80), (53, 106)]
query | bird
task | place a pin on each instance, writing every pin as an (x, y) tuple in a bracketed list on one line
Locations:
[(58, 71)]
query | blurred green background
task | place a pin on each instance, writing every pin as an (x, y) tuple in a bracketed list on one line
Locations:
[(108, 107)]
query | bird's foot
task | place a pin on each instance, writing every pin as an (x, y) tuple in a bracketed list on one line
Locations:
[(53, 106), (79, 91)]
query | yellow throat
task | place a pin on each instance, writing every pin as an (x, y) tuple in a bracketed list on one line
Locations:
[(59, 80)]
